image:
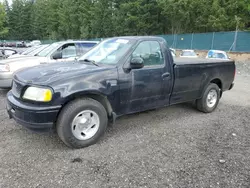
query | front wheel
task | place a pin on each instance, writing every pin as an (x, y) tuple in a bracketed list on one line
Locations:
[(210, 99), (82, 122)]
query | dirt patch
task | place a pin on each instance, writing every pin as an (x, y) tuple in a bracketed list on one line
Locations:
[(243, 68)]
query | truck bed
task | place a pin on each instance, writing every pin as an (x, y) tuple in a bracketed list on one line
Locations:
[(187, 61), (193, 74)]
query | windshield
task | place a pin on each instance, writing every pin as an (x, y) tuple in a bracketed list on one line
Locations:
[(108, 52), (219, 55), (188, 53), (36, 51), (45, 52), (30, 50)]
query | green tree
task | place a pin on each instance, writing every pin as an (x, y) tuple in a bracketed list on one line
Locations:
[(102, 19), (139, 17), (74, 19), (3, 28), (85, 18), (68, 17), (19, 20), (40, 18)]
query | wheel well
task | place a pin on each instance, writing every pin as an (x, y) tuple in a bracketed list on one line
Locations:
[(98, 97), (217, 82)]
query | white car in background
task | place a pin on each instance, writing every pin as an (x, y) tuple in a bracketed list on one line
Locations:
[(66, 51), (30, 52), (34, 43), (188, 54), (217, 54)]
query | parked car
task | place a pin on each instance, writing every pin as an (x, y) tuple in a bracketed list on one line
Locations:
[(21, 44), (30, 52), (56, 52), (119, 76), (188, 53), (33, 43), (5, 52), (28, 45), (217, 54), (10, 44)]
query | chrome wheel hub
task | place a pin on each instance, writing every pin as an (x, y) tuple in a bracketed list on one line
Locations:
[(212, 98), (85, 124)]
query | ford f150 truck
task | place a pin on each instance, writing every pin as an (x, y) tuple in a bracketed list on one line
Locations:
[(119, 76)]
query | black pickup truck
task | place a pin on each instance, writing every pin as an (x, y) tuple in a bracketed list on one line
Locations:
[(119, 76)]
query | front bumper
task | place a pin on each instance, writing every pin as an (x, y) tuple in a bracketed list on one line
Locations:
[(34, 117), (6, 79)]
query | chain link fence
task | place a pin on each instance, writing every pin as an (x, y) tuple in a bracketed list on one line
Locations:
[(227, 41), (237, 41)]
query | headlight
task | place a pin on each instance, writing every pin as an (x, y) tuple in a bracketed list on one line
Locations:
[(38, 94), (4, 68)]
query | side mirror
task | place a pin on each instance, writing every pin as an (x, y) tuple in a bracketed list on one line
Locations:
[(136, 63), (57, 55)]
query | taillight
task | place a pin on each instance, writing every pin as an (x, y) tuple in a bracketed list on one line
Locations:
[(234, 72)]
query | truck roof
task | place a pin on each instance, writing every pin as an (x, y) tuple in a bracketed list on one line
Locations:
[(186, 61), (139, 37), (76, 41)]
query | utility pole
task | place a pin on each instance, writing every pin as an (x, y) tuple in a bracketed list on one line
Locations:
[(212, 45), (192, 40), (237, 19)]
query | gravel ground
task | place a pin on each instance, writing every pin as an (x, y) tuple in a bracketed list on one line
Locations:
[(170, 147), (243, 68)]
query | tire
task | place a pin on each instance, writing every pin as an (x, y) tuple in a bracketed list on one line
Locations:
[(78, 116), (204, 104)]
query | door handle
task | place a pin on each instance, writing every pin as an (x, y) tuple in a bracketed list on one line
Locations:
[(165, 75)]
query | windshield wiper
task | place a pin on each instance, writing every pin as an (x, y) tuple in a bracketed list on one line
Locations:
[(91, 61)]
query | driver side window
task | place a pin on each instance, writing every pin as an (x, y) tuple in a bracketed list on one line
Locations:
[(69, 51), (150, 52)]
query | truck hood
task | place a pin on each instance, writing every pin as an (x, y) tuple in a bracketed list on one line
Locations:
[(49, 73)]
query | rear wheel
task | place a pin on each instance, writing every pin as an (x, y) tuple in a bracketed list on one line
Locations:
[(210, 99), (82, 122)]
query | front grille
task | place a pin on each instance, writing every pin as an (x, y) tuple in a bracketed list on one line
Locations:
[(17, 89)]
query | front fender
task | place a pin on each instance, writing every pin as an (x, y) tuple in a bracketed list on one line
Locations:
[(104, 84), (101, 92)]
